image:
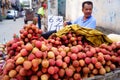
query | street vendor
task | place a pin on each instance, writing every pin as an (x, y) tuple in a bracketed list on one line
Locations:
[(87, 20), (41, 13)]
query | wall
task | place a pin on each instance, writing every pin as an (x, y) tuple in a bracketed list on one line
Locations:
[(52, 7), (73, 9), (61, 7), (106, 12), (56, 7)]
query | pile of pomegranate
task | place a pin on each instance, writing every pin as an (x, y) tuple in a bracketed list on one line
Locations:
[(70, 57)]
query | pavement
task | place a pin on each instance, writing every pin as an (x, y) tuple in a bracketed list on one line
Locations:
[(106, 31), (9, 27)]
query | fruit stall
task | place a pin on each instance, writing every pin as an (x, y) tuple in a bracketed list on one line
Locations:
[(72, 53)]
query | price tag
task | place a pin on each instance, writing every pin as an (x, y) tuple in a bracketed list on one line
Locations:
[(55, 23)]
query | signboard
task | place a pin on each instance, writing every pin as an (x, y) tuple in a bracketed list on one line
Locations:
[(55, 23)]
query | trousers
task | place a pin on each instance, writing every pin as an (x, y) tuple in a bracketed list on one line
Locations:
[(39, 21), (47, 34)]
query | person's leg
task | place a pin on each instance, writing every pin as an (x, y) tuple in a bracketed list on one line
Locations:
[(39, 22), (47, 34)]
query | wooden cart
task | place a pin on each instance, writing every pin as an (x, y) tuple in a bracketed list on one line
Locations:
[(29, 15)]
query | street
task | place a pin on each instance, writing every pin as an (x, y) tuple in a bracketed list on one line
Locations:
[(9, 27)]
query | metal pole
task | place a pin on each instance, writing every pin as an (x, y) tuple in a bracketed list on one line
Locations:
[(14, 18)]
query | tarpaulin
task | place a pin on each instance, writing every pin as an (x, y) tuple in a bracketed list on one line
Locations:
[(94, 36)]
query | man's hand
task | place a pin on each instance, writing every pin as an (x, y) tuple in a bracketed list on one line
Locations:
[(65, 23)]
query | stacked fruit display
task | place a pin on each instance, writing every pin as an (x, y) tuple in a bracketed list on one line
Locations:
[(69, 57), (30, 32), (2, 57), (2, 51)]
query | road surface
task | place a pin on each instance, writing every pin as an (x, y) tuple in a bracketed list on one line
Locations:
[(9, 27)]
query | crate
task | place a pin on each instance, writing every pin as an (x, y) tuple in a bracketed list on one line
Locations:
[(113, 75)]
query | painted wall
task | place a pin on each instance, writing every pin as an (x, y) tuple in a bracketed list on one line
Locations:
[(53, 7), (106, 12), (61, 7)]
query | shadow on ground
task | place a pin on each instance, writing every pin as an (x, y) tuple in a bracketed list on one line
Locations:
[(105, 30)]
